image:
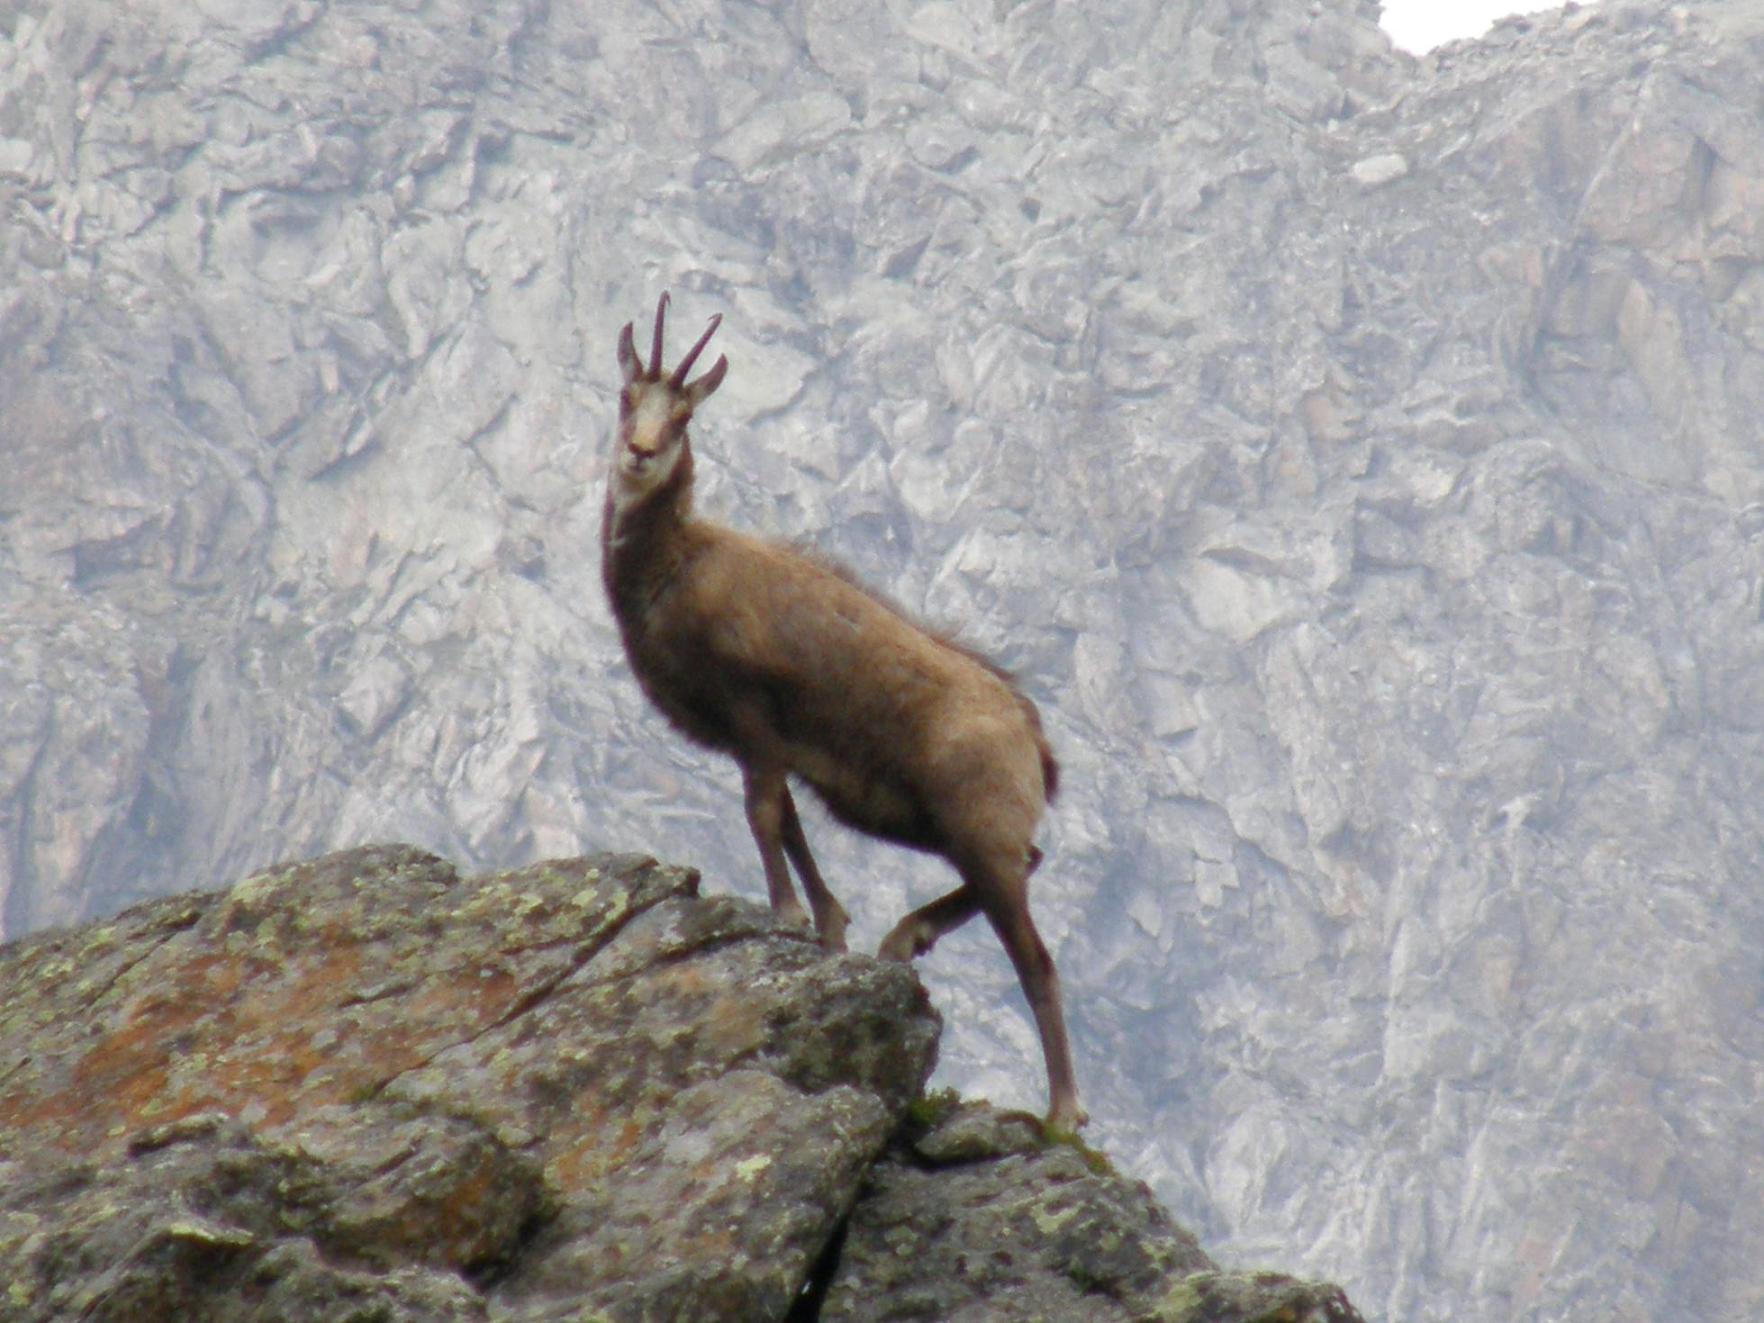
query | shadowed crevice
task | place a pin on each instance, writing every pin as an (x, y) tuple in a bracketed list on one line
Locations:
[(807, 1307)]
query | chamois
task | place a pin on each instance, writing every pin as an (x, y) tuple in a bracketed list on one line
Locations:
[(793, 669)]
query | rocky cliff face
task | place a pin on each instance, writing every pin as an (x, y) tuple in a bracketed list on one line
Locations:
[(364, 1087), (1361, 460)]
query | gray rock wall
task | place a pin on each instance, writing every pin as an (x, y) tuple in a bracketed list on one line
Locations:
[(1359, 458)]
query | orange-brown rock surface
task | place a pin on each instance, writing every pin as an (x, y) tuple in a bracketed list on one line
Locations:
[(364, 1087), (366, 1074)]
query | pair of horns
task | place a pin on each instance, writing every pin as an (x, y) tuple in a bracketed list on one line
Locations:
[(627, 349)]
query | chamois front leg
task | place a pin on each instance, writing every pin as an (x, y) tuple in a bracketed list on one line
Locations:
[(830, 916), (766, 795)]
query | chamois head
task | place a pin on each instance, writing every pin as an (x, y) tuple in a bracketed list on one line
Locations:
[(654, 410)]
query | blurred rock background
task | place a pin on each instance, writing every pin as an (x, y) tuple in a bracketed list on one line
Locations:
[(1359, 458)]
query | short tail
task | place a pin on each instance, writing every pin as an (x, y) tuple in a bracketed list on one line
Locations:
[(1050, 768)]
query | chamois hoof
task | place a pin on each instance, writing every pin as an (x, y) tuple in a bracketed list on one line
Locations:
[(903, 944), (1064, 1122)]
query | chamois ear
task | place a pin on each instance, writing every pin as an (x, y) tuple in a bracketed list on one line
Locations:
[(628, 363), (699, 389)]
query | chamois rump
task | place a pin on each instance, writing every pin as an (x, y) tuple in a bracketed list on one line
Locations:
[(786, 664)]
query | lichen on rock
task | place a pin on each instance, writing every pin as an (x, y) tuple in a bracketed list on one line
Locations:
[(362, 1086)]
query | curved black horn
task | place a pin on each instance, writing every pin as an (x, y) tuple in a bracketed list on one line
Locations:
[(661, 310), (679, 378)]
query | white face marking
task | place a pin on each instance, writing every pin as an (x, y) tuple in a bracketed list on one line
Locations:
[(649, 442)]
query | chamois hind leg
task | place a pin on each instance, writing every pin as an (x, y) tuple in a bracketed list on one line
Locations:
[(766, 795), (1005, 899), (830, 916), (918, 932)]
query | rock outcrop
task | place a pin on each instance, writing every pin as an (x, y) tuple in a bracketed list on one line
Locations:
[(365, 1087)]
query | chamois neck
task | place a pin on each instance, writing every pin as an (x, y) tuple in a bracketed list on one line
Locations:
[(641, 542)]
